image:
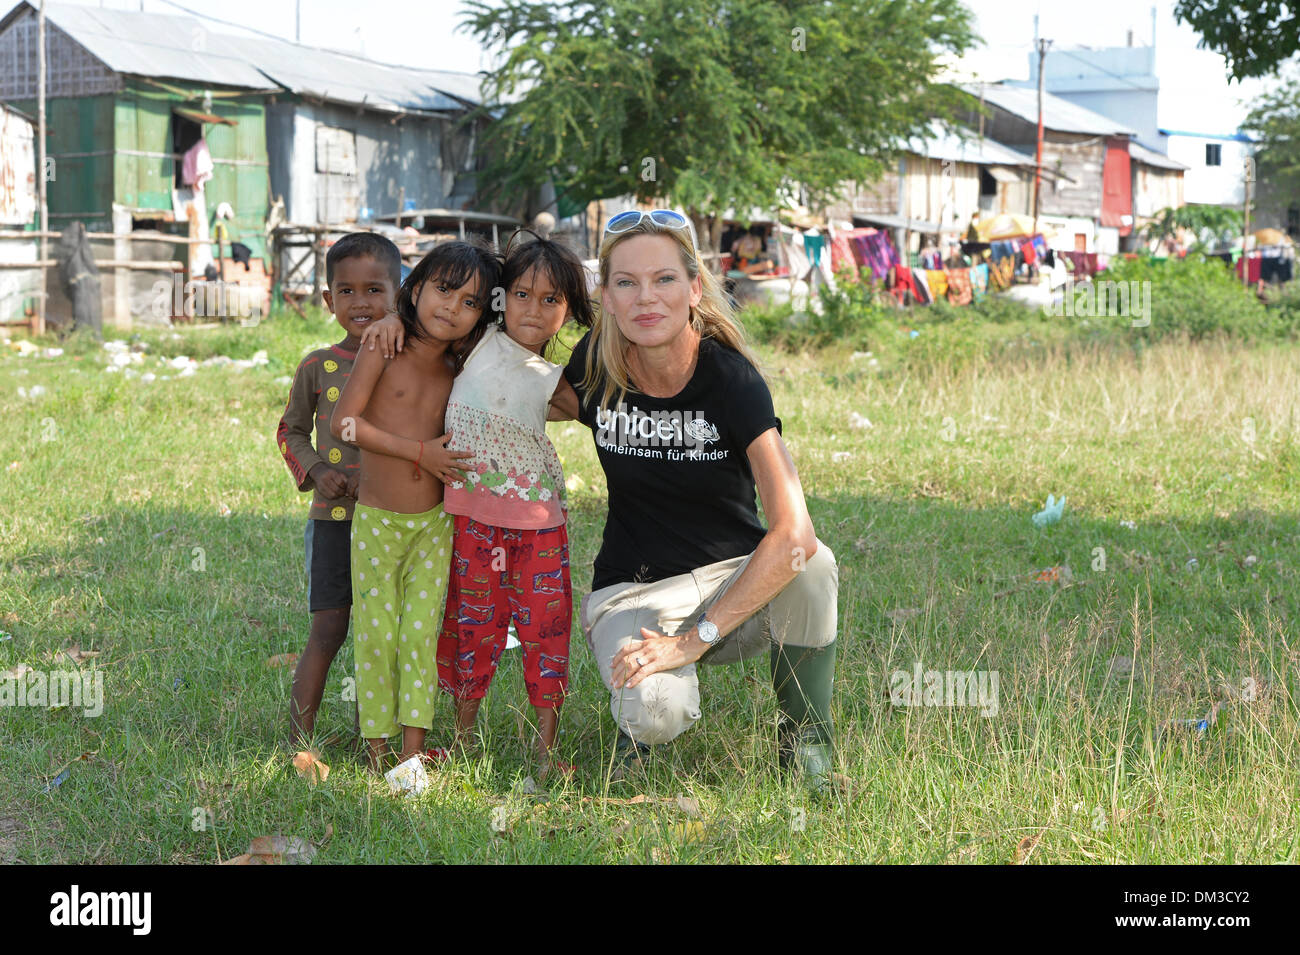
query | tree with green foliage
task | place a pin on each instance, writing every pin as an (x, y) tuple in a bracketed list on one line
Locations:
[(710, 104), (1211, 225), (1254, 36), (1274, 122)]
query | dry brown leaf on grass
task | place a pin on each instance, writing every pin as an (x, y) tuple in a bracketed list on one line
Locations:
[(278, 850), (75, 654), (282, 660), (281, 850), (16, 673), (310, 767), (689, 806), (686, 804), (1025, 848)]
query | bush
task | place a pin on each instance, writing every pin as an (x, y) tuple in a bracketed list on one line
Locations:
[(1283, 304), (854, 313), (1196, 295)]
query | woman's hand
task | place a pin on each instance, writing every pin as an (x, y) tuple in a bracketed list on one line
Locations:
[(441, 462), (653, 653), (388, 333)]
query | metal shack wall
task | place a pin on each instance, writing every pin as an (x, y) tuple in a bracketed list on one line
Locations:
[(144, 164), (391, 157), (80, 143)]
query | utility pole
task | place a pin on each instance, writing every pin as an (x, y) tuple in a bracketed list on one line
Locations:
[(1249, 169), (38, 324), (1038, 153)]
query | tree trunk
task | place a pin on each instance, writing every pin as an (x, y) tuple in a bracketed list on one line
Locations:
[(708, 232)]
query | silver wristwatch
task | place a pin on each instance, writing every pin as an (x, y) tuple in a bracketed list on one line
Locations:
[(708, 631)]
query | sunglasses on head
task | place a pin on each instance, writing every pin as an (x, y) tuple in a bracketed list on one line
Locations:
[(626, 221)]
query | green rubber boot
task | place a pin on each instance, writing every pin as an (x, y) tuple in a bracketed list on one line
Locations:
[(803, 678)]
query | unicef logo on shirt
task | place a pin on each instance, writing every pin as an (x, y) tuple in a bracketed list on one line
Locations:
[(645, 433), (701, 431)]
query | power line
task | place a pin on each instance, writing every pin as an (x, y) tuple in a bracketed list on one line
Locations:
[(229, 23), (1102, 69)]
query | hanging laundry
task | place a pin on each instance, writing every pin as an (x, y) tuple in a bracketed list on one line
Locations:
[(1001, 273), (923, 293), (1027, 250), (904, 286), (1083, 264), (1059, 275), (937, 280), (1002, 249), (873, 250), (196, 165), (959, 286), (1252, 268), (241, 253), (812, 245), (1274, 266), (842, 255)]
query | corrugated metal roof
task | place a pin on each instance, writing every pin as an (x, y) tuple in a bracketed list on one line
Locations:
[(344, 78), (1153, 158), (150, 44), (967, 147), (898, 222), (184, 48), (1059, 114)]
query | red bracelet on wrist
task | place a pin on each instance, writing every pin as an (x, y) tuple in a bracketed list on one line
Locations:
[(416, 470)]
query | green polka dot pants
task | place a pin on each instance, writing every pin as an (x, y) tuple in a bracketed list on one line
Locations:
[(400, 564)]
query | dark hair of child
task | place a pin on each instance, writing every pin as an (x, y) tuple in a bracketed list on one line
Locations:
[(370, 244), (558, 263), (453, 264)]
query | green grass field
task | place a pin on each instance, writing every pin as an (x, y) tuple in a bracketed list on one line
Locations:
[(155, 524)]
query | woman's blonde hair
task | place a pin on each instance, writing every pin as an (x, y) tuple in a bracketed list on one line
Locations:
[(606, 365)]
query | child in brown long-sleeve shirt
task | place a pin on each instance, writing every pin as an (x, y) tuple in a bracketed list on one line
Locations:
[(363, 272)]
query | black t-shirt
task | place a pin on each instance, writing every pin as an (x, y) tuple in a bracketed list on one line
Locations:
[(681, 492)]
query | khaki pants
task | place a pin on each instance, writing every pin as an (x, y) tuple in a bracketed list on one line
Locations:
[(665, 704)]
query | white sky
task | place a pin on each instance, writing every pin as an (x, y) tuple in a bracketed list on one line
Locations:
[(1195, 94), (402, 32)]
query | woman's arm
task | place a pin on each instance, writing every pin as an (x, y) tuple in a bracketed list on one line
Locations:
[(347, 423), (782, 553), (564, 403)]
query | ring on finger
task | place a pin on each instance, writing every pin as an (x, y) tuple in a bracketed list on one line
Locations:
[(640, 662)]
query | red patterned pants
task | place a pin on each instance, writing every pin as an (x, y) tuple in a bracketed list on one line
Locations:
[(498, 574)]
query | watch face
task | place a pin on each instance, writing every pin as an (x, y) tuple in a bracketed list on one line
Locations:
[(708, 631)]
